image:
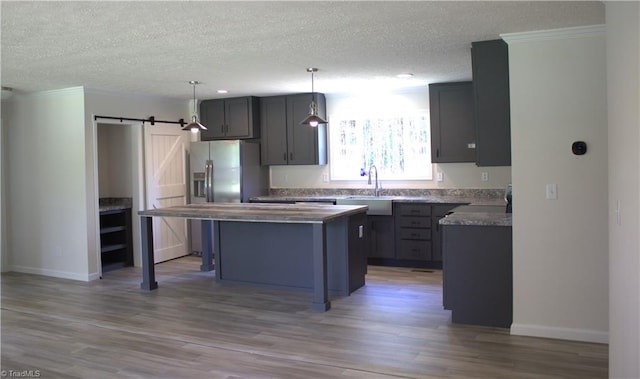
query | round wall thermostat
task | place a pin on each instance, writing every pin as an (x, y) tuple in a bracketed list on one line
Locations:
[(579, 148)]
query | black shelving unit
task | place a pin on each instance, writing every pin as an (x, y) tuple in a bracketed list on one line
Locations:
[(116, 242)]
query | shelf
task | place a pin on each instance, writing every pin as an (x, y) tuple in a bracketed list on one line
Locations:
[(116, 240), (114, 247), (112, 229)]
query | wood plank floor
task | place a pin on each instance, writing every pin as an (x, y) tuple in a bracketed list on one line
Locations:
[(192, 327)]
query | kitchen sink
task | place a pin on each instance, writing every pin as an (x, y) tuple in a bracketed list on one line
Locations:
[(378, 205)]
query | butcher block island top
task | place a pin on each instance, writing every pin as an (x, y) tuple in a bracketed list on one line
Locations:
[(259, 212)]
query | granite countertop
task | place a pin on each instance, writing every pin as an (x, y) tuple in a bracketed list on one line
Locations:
[(114, 203), (258, 212), (435, 199), (478, 216)]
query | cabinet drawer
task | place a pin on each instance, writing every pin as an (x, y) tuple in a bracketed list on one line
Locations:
[(407, 209), (415, 222), (415, 234), (416, 250)]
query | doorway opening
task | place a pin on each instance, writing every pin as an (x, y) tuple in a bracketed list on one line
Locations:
[(120, 193)]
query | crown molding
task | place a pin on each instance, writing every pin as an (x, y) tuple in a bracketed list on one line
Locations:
[(554, 34)]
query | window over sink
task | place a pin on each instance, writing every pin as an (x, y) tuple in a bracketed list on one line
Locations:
[(392, 136)]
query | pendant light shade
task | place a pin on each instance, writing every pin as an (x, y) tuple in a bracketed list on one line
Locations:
[(313, 119), (194, 125)]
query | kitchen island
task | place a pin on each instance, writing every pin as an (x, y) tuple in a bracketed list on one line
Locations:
[(298, 246)]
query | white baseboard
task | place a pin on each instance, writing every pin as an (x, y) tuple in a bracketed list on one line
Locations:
[(584, 335), (54, 273)]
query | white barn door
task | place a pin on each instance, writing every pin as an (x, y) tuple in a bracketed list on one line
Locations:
[(166, 149)]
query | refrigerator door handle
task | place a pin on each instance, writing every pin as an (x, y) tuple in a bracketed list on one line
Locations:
[(208, 181)]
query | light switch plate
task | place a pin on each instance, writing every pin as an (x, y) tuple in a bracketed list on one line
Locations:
[(439, 176), (552, 191)]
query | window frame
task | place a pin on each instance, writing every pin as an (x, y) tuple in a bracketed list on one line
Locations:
[(391, 117)]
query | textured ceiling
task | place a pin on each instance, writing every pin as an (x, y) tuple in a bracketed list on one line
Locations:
[(259, 48)]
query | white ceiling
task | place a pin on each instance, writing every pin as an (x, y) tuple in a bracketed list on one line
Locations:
[(258, 48)]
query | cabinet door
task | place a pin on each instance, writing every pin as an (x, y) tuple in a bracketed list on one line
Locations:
[(242, 117), (415, 250), (452, 122), (212, 117), (273, 122), (237, 117), (438, 212), (306, 145), (490, 63), (381, 237)]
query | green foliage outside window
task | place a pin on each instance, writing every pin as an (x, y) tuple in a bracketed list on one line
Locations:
[(399, 146)]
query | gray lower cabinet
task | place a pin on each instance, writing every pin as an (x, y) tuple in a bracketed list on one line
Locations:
[(452, 122), (413, 231), (284, 140), (409, 238), (477, 274), (437, 212), (231, 118), (381, 242), (278, 254)]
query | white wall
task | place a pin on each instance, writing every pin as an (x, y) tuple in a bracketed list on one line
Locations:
[(115, 160), (46, 193), (456, 175), (560, 247), (623, 88), (50, 140)]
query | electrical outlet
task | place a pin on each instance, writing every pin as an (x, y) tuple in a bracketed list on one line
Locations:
[(552, 192), (618, 216), (325, 177), (439, 176), (484, 177)]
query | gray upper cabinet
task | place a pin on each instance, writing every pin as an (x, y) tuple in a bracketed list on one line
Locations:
[(490, 63), (284, 140), (233, 118), (273, 121), (453, 134)]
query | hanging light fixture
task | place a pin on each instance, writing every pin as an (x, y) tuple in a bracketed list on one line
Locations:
[(313, 119), (194, 125)]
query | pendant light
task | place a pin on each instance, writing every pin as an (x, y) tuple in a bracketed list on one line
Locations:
[(313, 119), (194, 125)]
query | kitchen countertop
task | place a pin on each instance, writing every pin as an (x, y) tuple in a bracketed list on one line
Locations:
[(478, 216), (114, 203), (435, 199), (258, 212)]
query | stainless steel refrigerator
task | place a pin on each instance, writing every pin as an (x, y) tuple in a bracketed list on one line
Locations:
[(226, 171)]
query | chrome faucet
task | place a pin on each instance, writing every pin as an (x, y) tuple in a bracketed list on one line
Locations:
[(377, 188)]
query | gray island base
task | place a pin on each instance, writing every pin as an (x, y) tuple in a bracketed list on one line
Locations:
[(296, 246)]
